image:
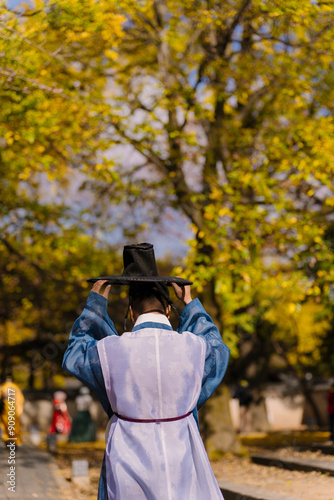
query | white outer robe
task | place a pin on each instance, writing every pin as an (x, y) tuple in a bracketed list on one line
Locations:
[(154, 373)]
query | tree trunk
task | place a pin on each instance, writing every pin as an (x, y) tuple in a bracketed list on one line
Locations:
[(216, 425), (307, 393), (32, 374)]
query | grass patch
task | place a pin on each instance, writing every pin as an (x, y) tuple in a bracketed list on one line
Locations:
[(284, 438)]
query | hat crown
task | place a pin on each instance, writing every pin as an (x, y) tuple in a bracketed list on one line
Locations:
[(140, 267), (139, 260)]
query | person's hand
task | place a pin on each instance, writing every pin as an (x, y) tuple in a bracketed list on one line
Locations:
[(183, 293), (97, 287)]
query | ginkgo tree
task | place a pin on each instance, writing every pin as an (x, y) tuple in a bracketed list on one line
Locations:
[(228, 105), (48, 138), (222, 111)]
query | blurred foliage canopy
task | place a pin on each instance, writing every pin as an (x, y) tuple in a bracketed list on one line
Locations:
[(226, 111)]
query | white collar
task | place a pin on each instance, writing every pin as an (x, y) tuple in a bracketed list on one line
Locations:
[(152, 318)]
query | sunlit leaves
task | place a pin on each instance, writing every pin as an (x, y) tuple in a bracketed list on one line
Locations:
[(224, 112), (51, 102)]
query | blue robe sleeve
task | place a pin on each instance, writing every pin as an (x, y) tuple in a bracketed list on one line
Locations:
[(194, 319), (81, 358)]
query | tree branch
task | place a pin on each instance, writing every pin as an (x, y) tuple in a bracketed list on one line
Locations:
[(227, 34), (13, 250), (54, 54), (11, 74)]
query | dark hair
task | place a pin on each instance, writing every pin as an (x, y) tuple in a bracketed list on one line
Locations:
[(6, 374), (149, 297)]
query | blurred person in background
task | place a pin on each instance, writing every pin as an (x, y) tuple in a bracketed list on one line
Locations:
[(11, 400), (83, 428), (61, 420), (244, 395)]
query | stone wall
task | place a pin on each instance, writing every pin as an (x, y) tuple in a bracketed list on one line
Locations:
[(284, 408)]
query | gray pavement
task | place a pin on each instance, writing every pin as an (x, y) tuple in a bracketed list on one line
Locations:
[(36, 476), (232, 491), (301, 464)]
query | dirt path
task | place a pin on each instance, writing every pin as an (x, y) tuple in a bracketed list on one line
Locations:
[(306, 486), (303, 485)]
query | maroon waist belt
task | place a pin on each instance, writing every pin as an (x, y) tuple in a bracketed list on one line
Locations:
[(152, 420)]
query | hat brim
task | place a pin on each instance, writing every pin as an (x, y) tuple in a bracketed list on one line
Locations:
[(128, 280)]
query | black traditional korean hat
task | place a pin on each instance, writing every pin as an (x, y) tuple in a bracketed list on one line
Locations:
[(140, 267)]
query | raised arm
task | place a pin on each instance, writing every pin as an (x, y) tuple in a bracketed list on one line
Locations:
[(81, 358), (194, 319)]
